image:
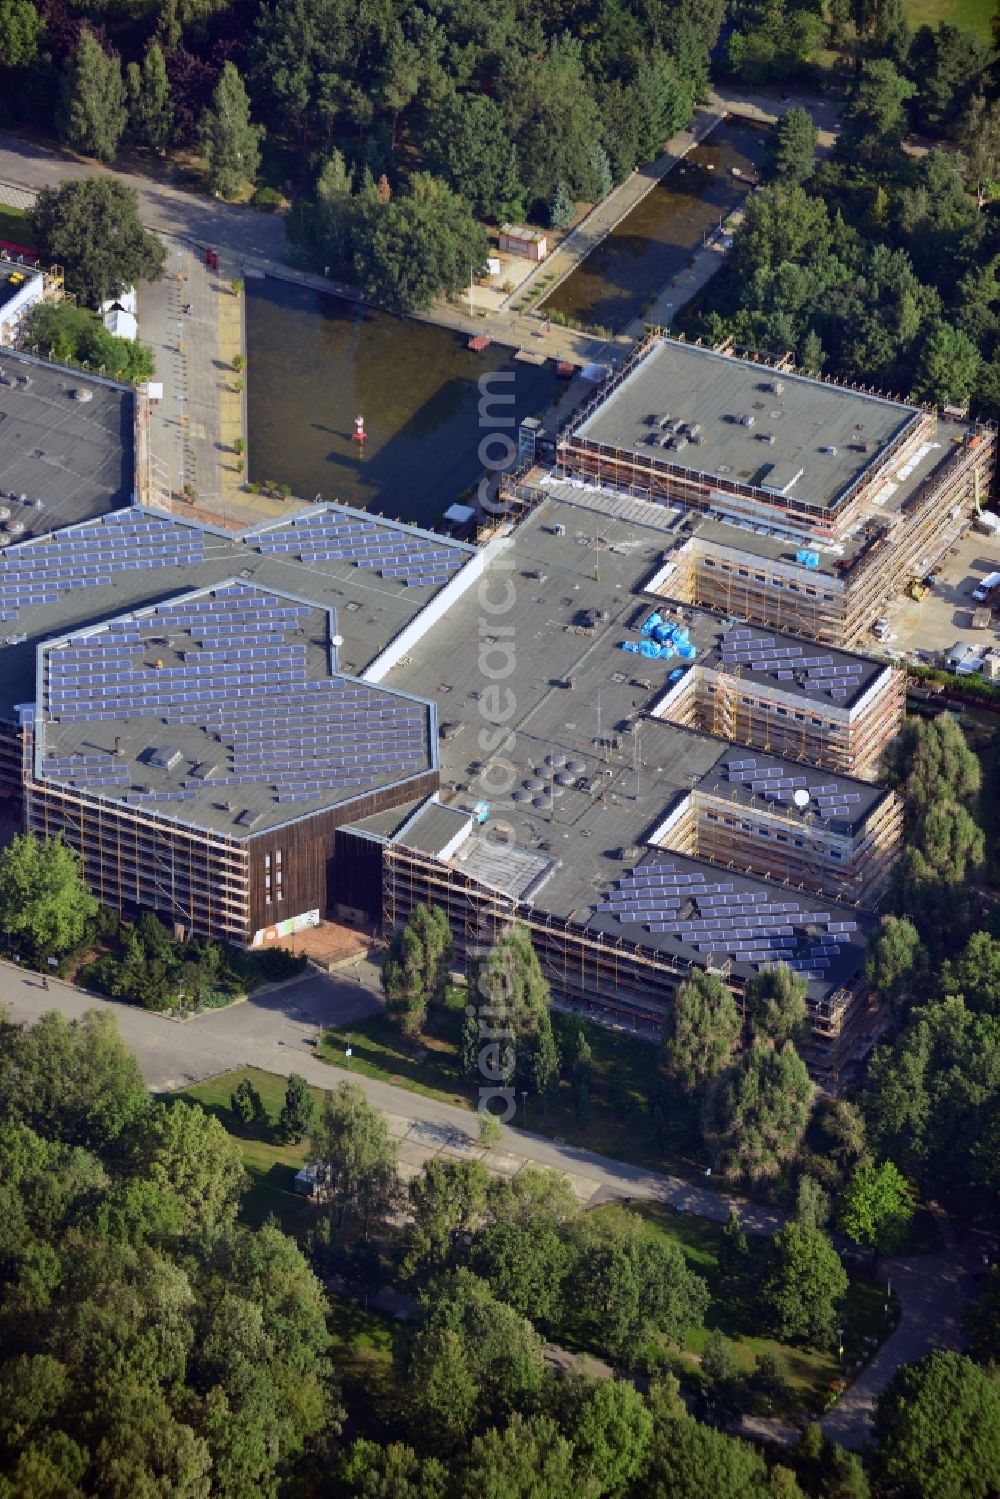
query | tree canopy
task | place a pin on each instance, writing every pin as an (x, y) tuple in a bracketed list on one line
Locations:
[(43, 898), (937, 1424), (91, 228)]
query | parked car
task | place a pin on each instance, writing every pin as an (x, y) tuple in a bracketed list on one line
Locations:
[(986, 588)]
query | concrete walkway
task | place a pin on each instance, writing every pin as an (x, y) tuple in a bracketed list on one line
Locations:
[(934, 1291)]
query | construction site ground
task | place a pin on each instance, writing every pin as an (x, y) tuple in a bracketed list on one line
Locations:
[(922, 630)]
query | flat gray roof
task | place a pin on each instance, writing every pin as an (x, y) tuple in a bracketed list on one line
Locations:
[(559, 747), (75, 456), (432, 828), (810, 440)]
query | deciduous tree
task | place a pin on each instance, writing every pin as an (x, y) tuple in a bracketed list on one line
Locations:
[(937, 1429), (357, 1158), (92, 229), (791, 147), (421, 245), (805, 1285), (22, 32), (701, 1031), (415, 973), (877, 1207), (188, 1155), (629, 1286), (776, 1004), (896, 960), (756, 1116), (43, 899), (469, 148)]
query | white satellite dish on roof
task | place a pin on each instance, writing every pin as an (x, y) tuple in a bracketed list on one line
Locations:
[(801, 797)]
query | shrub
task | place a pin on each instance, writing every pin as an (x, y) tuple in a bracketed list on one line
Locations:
[(267, 198)]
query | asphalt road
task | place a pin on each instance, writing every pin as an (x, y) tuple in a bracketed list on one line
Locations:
[(170, 210), (273, 1030)]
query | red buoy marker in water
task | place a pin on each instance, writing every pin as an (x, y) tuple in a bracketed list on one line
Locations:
[(359, 429)]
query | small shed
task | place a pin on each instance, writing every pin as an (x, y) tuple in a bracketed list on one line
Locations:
[(517, 239), (122, 324), (124, 302), (308, 1183)]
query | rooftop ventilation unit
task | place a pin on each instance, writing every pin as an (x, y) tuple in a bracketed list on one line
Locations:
[(164, 759), (747, 420)]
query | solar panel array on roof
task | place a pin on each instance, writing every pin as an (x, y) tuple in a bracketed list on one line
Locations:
[(819, 672), (91, 554), (241, 676), (776, 784), (719, 921), (329, 535)]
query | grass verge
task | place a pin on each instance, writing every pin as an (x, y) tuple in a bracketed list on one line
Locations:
[(969, 15), (14, 226), (271, 1166), (616, 1124), (811, 1373)]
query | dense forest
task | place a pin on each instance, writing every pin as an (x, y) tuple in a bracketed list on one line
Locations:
[(544, 92), (153, 1344)]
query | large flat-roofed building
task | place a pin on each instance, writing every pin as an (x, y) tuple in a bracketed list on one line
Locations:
[(186, 707), (340, 715), (809, 503), (67, 446), (570, 755)]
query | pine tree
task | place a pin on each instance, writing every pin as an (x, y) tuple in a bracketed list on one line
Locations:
[(469, 1047), (734, 1247), (507, 984), (601, 168), (92, 113), (247, 1104), (336, 210), (545, 1059), (229, 141), (562, 208), (581, 1066), (298, 1113), (151, 112), (415, 973)]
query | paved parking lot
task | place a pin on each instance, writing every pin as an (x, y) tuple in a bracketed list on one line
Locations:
[(944, 616)]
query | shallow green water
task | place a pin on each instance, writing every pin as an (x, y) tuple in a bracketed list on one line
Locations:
[(315, 362), (656, 240)]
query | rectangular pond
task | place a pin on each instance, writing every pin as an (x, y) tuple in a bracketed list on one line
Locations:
[(656, 239), (316, 362)]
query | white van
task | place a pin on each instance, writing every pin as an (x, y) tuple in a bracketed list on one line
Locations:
[(986, 587)]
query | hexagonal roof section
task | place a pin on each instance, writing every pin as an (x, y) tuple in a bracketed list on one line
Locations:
[(224, 709)]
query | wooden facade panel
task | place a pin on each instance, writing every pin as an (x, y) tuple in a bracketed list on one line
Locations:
[(308, 854)]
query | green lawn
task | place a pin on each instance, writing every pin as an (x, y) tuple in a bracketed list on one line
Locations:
[(429, 1065), (970, 15), (271, 1166), (361, 1351), (808, 1371), (14, 226)]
